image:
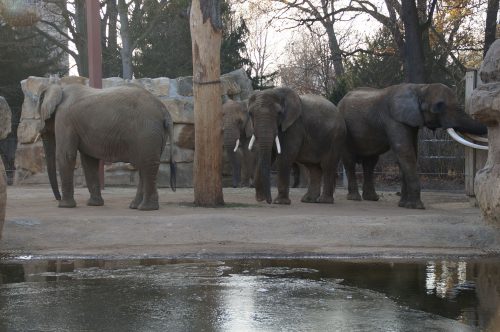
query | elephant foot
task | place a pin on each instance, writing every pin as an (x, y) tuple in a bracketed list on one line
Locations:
[(148, 206), (261, 198), (95, 201), (354, 196), (370, 196), (67, 203), (282, 200), (308, 198), (134, 204), (325, 199), (411, 204)]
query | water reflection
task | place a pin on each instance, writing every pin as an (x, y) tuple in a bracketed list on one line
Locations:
[(250, 295)]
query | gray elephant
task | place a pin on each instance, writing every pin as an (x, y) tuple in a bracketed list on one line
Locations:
[(238, 130), (126, 123), (306, 129), (381, 119), (5, 127)]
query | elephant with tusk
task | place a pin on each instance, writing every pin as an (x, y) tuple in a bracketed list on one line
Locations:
[(381, 119), (125, 123), (237, 132), (305, 129)]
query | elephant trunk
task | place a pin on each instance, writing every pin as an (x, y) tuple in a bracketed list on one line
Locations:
[(49, 146), (465, 124), (231, 137), (263, 174), (235, 166)]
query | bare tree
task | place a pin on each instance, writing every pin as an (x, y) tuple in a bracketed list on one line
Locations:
[(320, 11), (491, 24), (258, 52), (309, 69)]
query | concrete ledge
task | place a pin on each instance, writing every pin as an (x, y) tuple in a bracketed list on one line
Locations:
[(449, 226)]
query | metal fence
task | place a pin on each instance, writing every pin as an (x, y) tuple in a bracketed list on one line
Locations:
[(441, 163)]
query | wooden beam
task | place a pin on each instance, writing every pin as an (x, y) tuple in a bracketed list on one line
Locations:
[(206, 36), (95, 56)]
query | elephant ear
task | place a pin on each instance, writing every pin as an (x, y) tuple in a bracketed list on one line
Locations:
[(405, 107), (291, 107), (49, 98)]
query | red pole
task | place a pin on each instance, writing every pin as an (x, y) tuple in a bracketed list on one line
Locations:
[(95, 56)]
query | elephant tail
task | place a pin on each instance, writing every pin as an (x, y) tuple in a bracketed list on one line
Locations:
[(169, 125)]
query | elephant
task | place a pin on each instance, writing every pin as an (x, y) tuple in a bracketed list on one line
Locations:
[(238, 129), (381, 119), (5, 127), (306, 129), (124, 123)]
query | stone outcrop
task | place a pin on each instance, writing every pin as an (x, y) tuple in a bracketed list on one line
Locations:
[(484, 105), (176, 94)]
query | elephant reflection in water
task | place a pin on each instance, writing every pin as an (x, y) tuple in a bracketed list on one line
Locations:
[(381, 119)]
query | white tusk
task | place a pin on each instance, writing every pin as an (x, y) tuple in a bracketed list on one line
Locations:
[(278, 146), (252, 140), (477, 138), (237, 145), (36, 138), (463, 141)]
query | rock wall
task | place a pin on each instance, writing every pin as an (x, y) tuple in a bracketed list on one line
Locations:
[(176, 94), (484, 105)]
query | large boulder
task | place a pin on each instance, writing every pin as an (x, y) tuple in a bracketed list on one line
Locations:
[(484, 105)]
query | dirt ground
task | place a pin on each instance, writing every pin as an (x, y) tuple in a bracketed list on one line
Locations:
[(450, 227)]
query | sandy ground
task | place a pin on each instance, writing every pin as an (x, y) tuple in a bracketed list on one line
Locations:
[(449, 227)]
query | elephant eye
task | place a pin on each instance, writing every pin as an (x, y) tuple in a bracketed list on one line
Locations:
[(439, 107)]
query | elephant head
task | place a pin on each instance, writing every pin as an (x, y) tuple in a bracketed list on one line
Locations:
[(50, 96), (433, 106), (273, 111), (238, 129)]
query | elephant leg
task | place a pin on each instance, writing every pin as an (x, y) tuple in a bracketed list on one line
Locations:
[(314, 187), (139, 195), (352, 181), (369, 192), (150, 193), (91, 171), (407, 158), (66, 159), (329, 177), (283, 182)]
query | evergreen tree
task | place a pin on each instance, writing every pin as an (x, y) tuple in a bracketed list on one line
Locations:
[(23, 54), (166, 51)]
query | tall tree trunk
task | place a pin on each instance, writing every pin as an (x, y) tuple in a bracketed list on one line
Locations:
[(81, 38), (110, 50), (414, 56), (206, 36), (335, 51), (126, 50), (491, 24)]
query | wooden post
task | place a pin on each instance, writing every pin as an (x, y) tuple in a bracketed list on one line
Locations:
[(206, 36), (95, 56)]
